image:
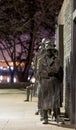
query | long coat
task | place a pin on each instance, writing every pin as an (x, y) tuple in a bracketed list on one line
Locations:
[(50, 88), (38, 84)]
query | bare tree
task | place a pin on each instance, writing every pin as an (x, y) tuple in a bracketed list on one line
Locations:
[(25, 17)]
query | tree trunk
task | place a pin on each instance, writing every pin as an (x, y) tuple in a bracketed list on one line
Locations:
[(31, 47), (12, 77)]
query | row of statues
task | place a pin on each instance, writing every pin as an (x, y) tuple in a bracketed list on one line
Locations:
[(49, 75)]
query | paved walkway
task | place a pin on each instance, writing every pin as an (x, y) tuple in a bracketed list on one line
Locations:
[(15, 114)]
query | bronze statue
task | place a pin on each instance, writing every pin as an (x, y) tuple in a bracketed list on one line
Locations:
[(49, 66)]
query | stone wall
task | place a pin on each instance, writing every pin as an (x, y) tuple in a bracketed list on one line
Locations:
[(65, 19), (67, 51)]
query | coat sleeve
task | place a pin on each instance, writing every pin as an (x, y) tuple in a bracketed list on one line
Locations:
[(54, 68)]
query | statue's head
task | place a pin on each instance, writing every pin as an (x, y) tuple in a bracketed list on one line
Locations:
[(46, 45), (49, 46)]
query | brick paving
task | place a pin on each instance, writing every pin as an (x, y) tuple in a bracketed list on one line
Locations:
[(15, 114)]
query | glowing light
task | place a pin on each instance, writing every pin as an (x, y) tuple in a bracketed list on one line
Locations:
[(14, 79), (1, 77), (32, 80), (12, 67), (1, 67)]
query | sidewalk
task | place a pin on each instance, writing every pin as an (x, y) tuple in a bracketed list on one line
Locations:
[(15, 114)]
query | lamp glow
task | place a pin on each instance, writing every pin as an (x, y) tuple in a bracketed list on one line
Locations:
[(32, 80)]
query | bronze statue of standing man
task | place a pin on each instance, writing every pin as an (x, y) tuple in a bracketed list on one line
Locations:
[(49, 66)]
